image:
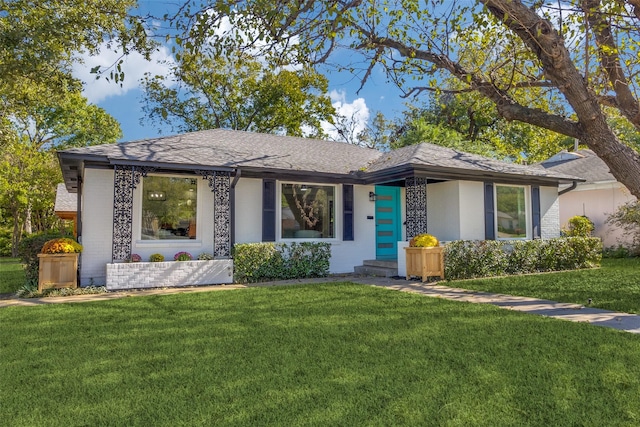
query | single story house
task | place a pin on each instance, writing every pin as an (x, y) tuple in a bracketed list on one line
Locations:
[(598, 196), (204, 191)]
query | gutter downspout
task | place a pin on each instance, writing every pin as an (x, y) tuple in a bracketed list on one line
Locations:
[(79, 226), (566, 190)]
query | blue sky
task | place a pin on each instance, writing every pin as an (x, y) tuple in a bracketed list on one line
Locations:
[(124, 103)]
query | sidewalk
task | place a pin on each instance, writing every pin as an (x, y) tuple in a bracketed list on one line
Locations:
[(565, 311)]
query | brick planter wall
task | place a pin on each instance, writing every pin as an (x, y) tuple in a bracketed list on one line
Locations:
[(137, 275)]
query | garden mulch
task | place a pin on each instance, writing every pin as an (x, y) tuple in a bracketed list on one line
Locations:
[(565, 311)]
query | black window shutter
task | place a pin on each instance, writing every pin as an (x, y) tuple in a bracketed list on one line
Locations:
[(268, 210), (347, 204), (535, 211), (489, 214)]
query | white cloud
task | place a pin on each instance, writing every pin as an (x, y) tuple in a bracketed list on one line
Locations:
[(134, 66), (352, 118)]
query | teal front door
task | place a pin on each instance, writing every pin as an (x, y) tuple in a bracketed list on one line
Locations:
[(387, 222)]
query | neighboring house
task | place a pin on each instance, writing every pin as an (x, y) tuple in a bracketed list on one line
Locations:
[(66, 206), (204, 191), (596, 198)]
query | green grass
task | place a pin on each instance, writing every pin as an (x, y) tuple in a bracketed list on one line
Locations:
[(11, 275), (615, 286), (316, 355)]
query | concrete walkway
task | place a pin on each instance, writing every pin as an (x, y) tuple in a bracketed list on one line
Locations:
[(565, 311)]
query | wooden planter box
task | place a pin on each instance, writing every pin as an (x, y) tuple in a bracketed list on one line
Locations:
[(57, 271), (424, 262)]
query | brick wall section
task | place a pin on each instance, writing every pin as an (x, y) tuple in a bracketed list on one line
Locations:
[(97, 225), (137, 275), (549, 212)]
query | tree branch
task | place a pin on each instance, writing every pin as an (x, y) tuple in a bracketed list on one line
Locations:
[(610, 61), (507, 107)]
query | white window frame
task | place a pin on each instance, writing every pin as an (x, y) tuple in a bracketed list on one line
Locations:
[(338, 213), (167, 243), (527, 211)]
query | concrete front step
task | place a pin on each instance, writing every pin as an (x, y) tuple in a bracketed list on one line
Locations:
[(381, 263), (372, 270)]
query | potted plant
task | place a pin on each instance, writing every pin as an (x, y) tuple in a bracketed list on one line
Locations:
[(182, 256), (424, 257), (156, 258), (58, 264)]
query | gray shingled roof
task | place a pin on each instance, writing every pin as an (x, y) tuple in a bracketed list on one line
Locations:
[(263, 153), (65, 201), (434, 156), (226, 148), (583, 163)]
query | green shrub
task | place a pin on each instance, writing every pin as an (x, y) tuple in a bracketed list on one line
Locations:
[(156, 258), (28, 251), (306, 259), (616, 252), (255, 262), (466, 259), (5, 242), (31, 291), (627, 218), (579, 226)]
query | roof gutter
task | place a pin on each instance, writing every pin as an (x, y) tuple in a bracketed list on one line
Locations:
[(573, 185)]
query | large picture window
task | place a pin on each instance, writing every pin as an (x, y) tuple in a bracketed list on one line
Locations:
[(308, 211), (169, 208), (511, 212)]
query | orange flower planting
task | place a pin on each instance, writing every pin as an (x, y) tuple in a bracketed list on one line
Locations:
[(62, 245)]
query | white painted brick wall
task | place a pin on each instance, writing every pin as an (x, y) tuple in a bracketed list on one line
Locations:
[(97, 225), (549, 213), (137, 275)]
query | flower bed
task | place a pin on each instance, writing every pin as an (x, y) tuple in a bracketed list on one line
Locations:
[(137, 275)]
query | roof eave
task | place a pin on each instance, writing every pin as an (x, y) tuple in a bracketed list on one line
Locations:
[(445, 173)]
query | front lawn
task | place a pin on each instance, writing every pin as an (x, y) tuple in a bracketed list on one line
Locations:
[(11, 275), (331, 354), (615, 286)]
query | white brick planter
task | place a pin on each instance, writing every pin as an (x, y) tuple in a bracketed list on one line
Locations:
[(135, 275)]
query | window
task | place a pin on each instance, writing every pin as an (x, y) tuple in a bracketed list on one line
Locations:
[(308, 211), (511, 212), (169, 208)]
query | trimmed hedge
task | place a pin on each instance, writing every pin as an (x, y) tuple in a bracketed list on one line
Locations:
[(466, 259), (256, 262)]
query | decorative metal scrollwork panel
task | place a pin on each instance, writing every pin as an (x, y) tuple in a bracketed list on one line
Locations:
[(126, 179), (222, 216), (220, 183), (416, 206)]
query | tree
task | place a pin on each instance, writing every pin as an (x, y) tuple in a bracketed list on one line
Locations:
[(236, 91), (29, 168), (467, 122), (583, 54), (62, 121), (627, 217), (355, 128), (39, 40), (26, 185), (41, 107)]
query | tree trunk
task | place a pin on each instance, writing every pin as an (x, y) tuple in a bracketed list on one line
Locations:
[(17, 233), (593, 130), (28, 226)]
